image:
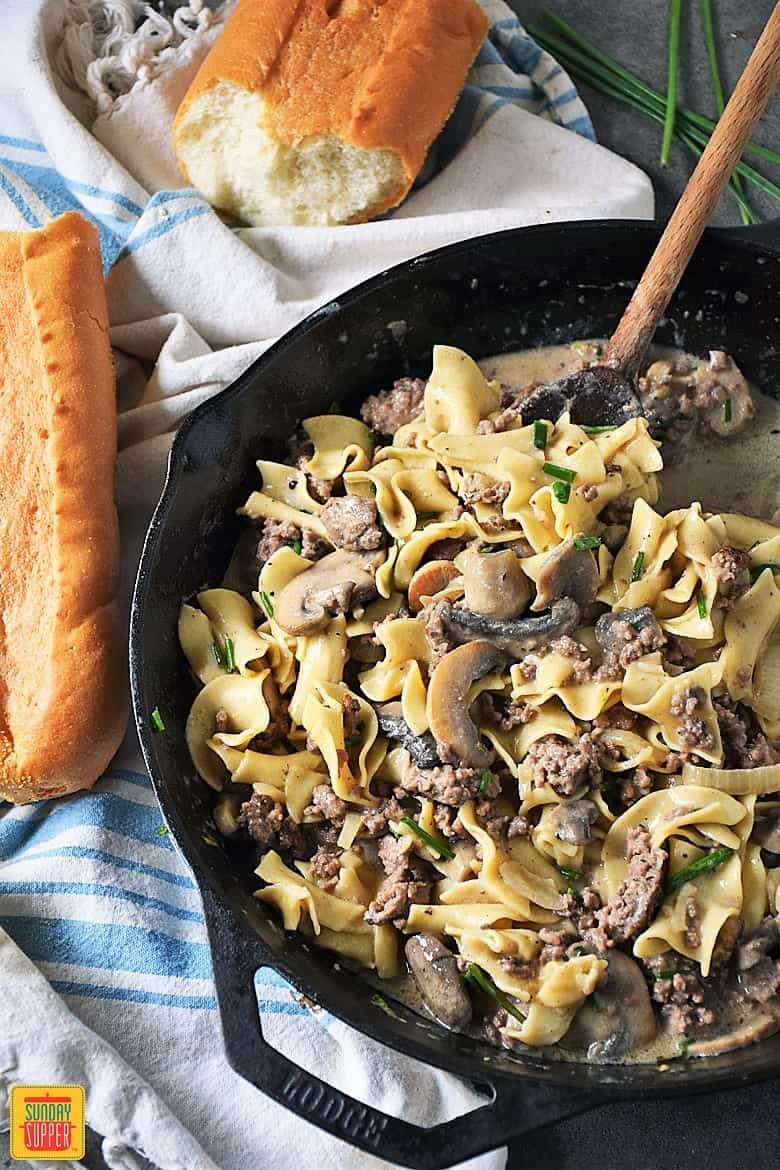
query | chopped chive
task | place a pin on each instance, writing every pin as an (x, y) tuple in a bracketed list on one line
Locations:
[(296, 546), (219, 657), (570, 891), (561, 491), (482, 980), (757, 570), (669, 974), (727, 410), (484, 781), (439, 846), (702, 865), (156, 720), (566, 871), (638, 566), (230, 655), (684, 1044), (162, 830), (701, 605), (582, 542), (266, 603), (564, 473), (675, 16), (540, 435), (489, 548), (596, 430)]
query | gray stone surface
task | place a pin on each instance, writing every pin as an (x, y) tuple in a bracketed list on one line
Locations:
[(635, 34), (721, 1131)]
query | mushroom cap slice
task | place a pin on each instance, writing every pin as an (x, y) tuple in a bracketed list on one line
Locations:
[(428, 580), (435, 972), (422, 748), (495, 584), (516, 636), (624, 1019), (567, 572), (330, 586), (457, 736), (766, 829)]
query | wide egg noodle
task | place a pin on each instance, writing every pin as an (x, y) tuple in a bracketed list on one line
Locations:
[(350, 771), (341, 444), (457, 395), (749, 626), (321, 658), (648, 690), (405, 643), (243, 702)]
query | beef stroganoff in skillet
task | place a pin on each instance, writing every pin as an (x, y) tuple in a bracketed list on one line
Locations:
[(503, 731)]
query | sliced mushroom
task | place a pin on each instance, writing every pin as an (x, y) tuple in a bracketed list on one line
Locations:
[(516, 636), (567, 572), (330, 586), (598, 397), (574, 820), (766, 829), (428, 580), (608, 634), (495, 584), (422, 748), (457, 736), (758, 1028), (435, 972), (619, 1016)]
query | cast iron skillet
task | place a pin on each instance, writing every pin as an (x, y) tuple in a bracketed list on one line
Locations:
[(499, 292)]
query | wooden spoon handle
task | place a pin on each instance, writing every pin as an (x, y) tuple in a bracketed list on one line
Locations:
[(636, 327)]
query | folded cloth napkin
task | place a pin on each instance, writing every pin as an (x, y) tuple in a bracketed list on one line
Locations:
[(91, 889)]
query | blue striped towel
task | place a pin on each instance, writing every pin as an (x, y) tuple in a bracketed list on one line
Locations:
[(91, 889)]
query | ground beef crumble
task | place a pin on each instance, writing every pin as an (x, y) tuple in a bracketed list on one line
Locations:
[(351, 522), (634, 903), (634, 785), (325, 803), (626, 636), (478, 488), (325, 868), (504, 712), (564, 766), (693, 733), (409, 880), (731, 568), (267, 823), (280, 533), (448, 784), (433, 617), (744, 745), (390, 409), (677, 985)]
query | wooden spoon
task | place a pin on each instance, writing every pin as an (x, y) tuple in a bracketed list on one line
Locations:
[(604, 394)]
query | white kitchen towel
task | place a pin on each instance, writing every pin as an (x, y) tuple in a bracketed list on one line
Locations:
[(91, 890)]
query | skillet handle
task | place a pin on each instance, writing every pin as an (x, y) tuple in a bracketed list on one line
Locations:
[(510, 1112)]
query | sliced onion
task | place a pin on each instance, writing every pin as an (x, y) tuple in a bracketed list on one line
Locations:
[(766, 683), (737, 781)]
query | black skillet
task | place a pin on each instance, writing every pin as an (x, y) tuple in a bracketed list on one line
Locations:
[(493, 294)]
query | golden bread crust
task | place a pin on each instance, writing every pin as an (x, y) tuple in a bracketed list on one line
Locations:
[(63, 707), (378, 74)]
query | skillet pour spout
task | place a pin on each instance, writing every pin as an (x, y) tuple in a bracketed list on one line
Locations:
[(488, 295)]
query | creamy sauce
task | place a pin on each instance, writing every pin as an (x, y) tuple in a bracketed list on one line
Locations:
[(739, 474)]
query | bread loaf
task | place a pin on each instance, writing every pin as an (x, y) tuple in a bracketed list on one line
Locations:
[(322, 111), (62, 672)]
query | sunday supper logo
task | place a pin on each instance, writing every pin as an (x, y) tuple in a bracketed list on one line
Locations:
[(47, 1122)]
